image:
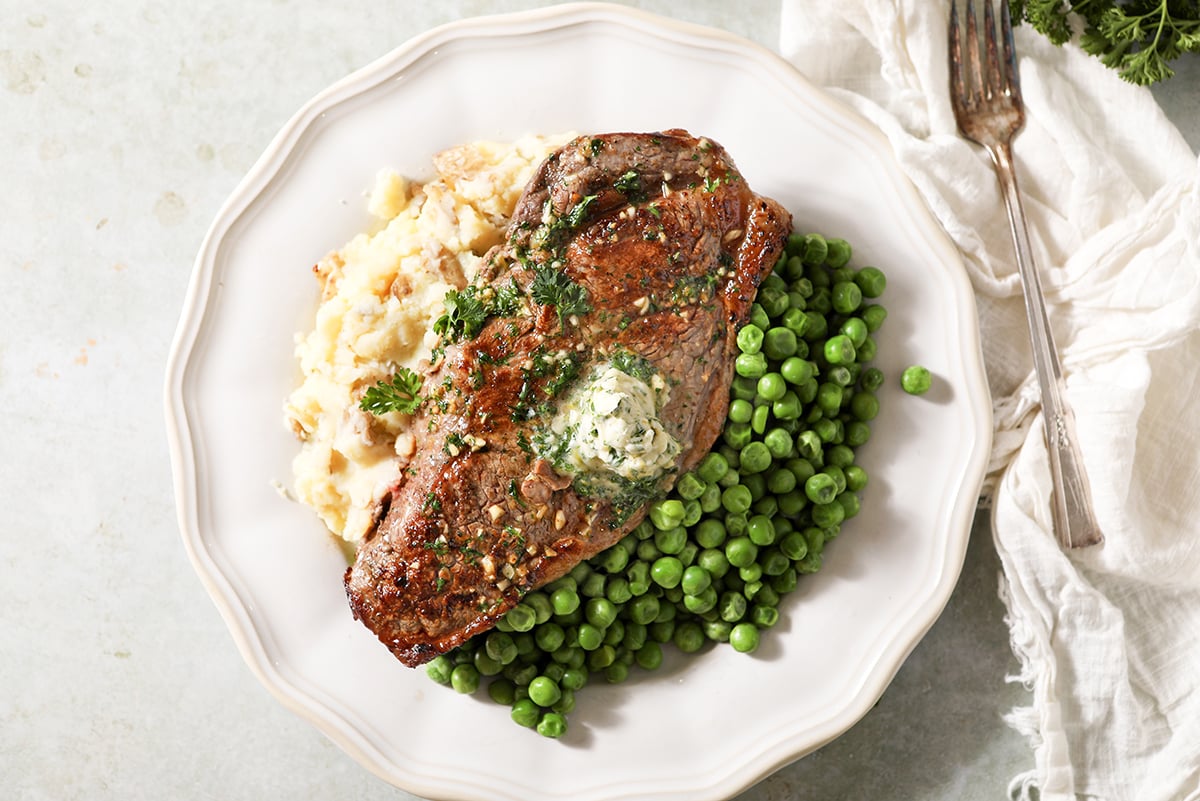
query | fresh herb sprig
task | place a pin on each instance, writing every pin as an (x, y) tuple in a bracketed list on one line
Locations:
[(402, 393), (552, 287), (1137, 38)]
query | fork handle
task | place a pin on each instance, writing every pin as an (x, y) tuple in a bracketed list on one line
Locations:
[(1074, 521)]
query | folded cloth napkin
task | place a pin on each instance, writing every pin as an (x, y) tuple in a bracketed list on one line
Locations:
[(1108, 637)]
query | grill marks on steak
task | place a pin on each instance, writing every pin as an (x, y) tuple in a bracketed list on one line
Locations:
[(670, 245)]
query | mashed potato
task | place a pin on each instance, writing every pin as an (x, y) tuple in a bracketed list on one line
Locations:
[(380, 294)]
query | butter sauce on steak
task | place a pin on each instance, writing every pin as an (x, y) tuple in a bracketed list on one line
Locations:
[(630, 263)]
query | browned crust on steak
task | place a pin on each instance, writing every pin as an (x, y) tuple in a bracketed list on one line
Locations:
[(671, 249)]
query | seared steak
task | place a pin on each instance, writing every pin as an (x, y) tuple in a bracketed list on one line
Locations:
[(631, 261)]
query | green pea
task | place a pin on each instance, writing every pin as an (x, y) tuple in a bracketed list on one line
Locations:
[(816, 249), (614, 559), (751, 574), (838, 252), (667, 571), (716, 630), (731, 606), (864, 406), (856, 329), (761, 530), (758, 316), (440, 668), (743, 388), (829, 398), (764, 616), (616, 673), (601, 658), (792, 503), (744, 638), (772, 387), (750, 338), (867, 351), (808, 445), (735, 522), (916, 380), (778, 443), (794, 319), (594, 586), (781, 481), (544, 691), (871, 281), (773, 300), (737, 435), (710, 533), (737, 498), (829, 514), (671, 541), (839, 349), (796, 370), (857, 433), (756, 457), (714, 561), (740, 410), (702, 602), (750, 365), (817, 325), (501, 647), (850, 504), (644, 609), (521, 617), (839, 456), (464, 679), (793, 545), (779, 343), (502, 691), (856, 477), (688, 637), (741, 551), (873, 316), (601, 612), (552, 725), (710, 501), (846, 297), (590, 637), (871, 379), (840, 375), (649, 656), (820, 488), (713, 467), (525, 713), (549, 637), (695, 580), (837, 474)]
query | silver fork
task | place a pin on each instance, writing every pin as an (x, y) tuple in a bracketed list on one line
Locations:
[(986, 93)]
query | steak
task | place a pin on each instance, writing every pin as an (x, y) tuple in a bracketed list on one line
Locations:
[(635, 252)]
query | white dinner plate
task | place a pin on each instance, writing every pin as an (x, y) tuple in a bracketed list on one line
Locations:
[(704, 727)]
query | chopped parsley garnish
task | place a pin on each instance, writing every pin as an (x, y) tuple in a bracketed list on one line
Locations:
[(552, 287), (628, 185), (631, 364), (468, 309), (400, 394), (464, 317)]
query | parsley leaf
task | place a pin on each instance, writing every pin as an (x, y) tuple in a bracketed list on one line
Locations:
[(464, 317), (401, 394), (1137, 38), (552, 287)]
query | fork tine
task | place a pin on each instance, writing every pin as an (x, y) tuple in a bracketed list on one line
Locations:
[(957, 90), (974, 74), (1012, 77), (993, 82)]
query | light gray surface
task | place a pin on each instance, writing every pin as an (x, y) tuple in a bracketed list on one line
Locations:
[(123, 128)]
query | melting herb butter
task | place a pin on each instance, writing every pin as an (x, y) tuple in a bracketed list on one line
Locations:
[(607, 430)]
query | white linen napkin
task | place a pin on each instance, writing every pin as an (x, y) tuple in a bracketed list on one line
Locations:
[(1108, 637)]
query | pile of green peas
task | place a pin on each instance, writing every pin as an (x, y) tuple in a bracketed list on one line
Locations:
[(712, 560)]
